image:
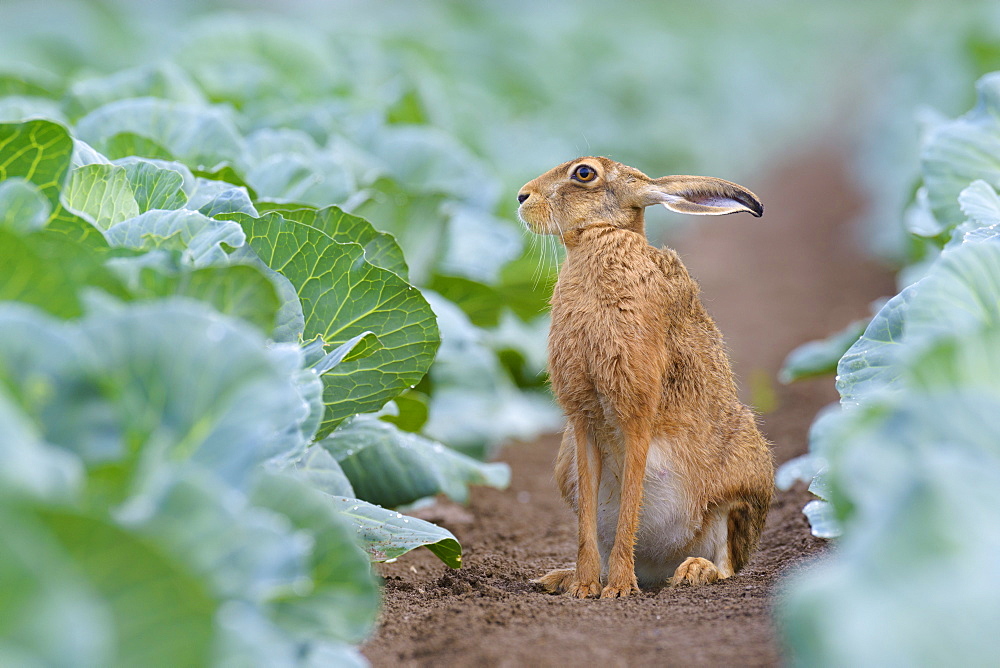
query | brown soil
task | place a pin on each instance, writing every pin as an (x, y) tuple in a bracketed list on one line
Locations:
[(771, 284)]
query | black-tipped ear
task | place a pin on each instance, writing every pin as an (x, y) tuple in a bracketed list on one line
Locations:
[(702, 196)]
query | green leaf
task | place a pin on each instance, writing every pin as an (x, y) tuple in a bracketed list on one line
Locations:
[(161, 615), (23, 207), (870, 364), (391, 467), (381, 249), (39, 152), (819, 358), (483, 304), (102, 194), (242, 291), (77, 229), (342, 601), (154, 187), (412, 411), (386, 534), (28, 84), (49, 270), (49, 614), (127, 144), (343, 296)]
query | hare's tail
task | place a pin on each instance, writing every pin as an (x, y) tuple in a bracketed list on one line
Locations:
[(746, 522)]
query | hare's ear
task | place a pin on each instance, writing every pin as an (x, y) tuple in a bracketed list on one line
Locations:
[(701, 196)]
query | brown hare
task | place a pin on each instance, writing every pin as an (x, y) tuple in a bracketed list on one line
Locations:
[(665, 468)]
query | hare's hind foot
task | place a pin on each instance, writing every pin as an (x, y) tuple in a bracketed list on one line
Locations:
[(564, 580), (695, 571)]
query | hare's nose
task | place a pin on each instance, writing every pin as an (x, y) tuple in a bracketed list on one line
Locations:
[(521, 197)]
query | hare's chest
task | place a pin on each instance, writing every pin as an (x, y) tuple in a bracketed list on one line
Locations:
[(606, 342)]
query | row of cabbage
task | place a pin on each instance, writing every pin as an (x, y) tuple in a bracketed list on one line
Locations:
[(908, 466), (298, 117), (182, 365)]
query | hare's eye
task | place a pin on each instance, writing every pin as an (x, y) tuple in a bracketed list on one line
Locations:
[(584, 173)]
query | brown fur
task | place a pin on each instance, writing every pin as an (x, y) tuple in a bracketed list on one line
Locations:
[(641, 372)]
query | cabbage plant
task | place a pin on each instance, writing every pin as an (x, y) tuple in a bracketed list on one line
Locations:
[(908, 466), (185, 476)]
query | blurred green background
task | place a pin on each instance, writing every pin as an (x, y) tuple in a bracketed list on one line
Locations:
[(720, 86)]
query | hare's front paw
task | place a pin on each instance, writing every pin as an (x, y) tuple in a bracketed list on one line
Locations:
[(695, 571), (564, 580), (584, 589), (620, 590)]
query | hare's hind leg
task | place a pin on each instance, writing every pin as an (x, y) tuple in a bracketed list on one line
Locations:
[(557, 581), (746, 522), (730, 536), (712, 547)]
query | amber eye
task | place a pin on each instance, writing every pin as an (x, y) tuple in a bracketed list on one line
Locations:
[(584, 173)]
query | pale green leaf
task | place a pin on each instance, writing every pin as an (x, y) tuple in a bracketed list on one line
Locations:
[(318, 180), (199, 135), (356, 348), (959, 295), (961, 151), (386, 534), (318, 468), (226, 200), (341, 601), (818, 358), (202, 386), (163, 80), (102, 194), (870, 365), (203, 240), (391, 467), (154, 187)]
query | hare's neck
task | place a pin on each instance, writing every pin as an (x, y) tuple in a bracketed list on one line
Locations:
[(601, 240)]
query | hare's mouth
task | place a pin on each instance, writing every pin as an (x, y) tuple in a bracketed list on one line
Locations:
[(535, 220)]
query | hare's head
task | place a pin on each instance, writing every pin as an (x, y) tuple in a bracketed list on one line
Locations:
[(592, 190)]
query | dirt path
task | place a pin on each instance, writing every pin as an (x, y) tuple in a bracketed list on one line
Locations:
[(770, 284)]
